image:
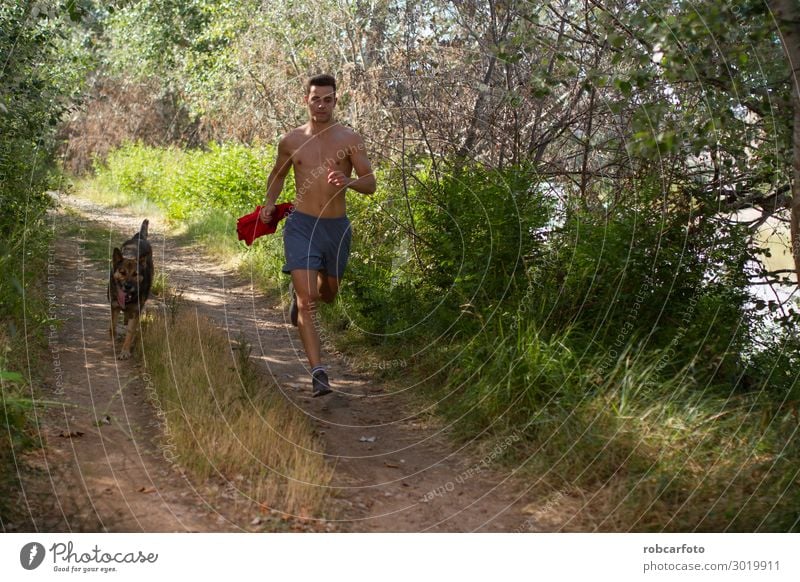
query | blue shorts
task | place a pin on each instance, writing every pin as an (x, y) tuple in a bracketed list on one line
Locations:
[(316, 244)]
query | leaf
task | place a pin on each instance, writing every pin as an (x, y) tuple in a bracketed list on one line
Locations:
[(75, 11), (624, 86)]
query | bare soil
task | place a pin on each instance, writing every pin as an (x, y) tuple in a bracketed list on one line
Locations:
[(102, 468)]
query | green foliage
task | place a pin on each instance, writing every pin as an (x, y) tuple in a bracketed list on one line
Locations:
[(680, 456), (597, 335), (15, 420), (225, 177), (640, 283), (480, 247), (43, 69), (14, 413), (185, 43), (29, 108), (723, 63), (774, 368), (442, 257), (675, 280), (37, 79)]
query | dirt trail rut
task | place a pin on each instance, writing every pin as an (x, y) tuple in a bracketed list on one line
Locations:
[(103, 465)]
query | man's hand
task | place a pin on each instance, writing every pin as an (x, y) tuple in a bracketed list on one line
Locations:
[(267, 211), (338, 178)]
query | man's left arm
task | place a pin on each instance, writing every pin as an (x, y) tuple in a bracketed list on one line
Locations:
[(365, 183)]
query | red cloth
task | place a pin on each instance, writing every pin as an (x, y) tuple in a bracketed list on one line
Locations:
[(249, 227)]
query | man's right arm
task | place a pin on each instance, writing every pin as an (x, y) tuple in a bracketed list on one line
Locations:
[(276, 179)]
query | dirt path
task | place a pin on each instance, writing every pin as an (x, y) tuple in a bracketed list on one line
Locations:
[(394, 472), (101, 468)]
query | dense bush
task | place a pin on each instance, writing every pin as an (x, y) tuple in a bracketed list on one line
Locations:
[(29, 107), (479, 250), (36, 83), (227, 177), (442, 257), (642, 276)]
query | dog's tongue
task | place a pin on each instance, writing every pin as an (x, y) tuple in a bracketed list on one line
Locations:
[(121, 297)]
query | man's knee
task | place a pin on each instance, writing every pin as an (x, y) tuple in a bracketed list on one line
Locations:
[(308, 303)]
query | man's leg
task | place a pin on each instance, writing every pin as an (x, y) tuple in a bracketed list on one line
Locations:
[(306, 287), (328, 287), (310, 287)]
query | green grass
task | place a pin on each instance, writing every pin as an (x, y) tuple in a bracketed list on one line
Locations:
[(16, 405), (183, 183), (105, 193), (644, 450)]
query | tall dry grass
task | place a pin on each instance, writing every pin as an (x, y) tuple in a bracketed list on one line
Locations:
[(222, 418)]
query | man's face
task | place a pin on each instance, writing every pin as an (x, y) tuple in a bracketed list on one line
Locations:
[(320, 101)]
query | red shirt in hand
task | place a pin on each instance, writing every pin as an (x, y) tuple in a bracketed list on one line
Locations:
[(249, 227)]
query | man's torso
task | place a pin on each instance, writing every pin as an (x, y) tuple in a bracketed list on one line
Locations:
[(313, 157)]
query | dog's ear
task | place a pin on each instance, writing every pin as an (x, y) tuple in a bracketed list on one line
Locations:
[(116, 257)]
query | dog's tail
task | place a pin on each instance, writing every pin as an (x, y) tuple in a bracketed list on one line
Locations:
[(143, 230)]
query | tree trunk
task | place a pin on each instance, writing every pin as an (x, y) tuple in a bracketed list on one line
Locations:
[(787, 14)]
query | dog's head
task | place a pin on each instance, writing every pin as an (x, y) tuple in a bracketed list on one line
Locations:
[(128, 274)]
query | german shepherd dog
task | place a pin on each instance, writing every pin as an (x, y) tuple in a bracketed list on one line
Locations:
[(129, 285)]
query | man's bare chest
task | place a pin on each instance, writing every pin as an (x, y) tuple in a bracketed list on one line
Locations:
[(315, 153)]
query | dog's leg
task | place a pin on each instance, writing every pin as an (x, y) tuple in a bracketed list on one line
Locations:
[(133, 322)]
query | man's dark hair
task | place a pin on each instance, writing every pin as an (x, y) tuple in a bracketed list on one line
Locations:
[(321, 81)]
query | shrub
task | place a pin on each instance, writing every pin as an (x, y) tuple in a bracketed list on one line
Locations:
[(227, 177)]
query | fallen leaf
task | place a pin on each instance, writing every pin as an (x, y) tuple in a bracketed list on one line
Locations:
[(391, 465), (70, 434), (147, 490)]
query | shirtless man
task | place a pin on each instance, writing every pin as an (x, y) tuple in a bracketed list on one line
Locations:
[(317, 234)]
